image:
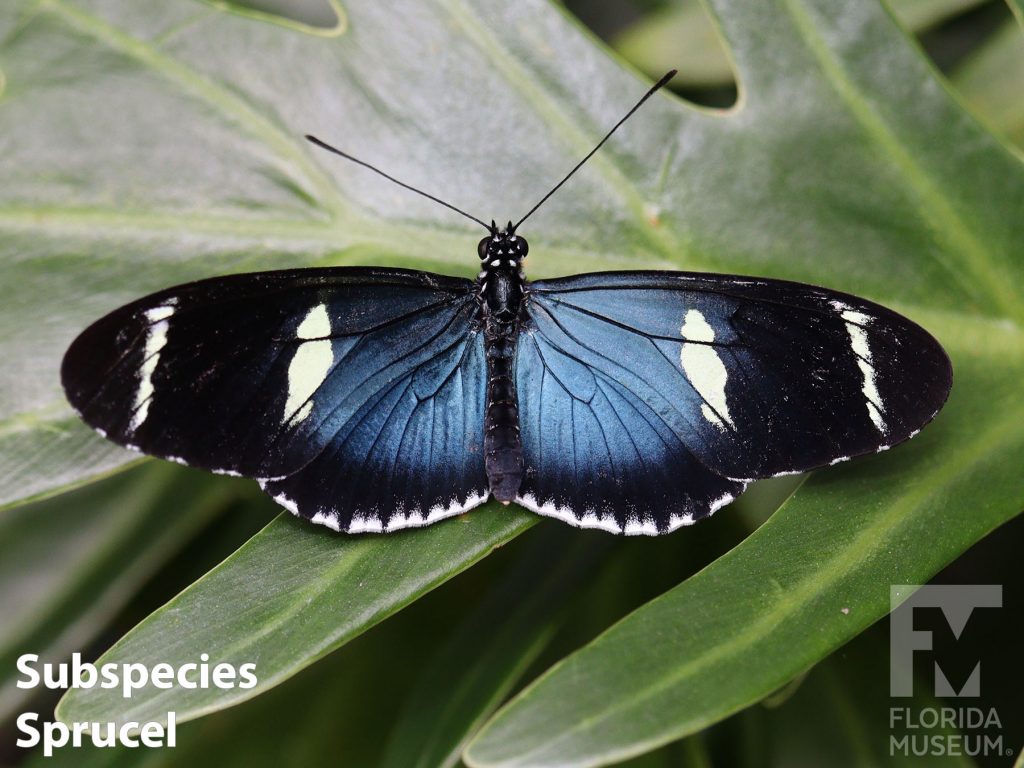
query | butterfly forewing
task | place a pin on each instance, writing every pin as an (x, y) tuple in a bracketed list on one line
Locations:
[(647, 399), (264, 375)]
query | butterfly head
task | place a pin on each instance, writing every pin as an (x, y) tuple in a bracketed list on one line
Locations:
[(503, 247)]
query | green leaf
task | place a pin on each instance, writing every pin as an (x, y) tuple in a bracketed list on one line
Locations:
[(80, 212), (288, 597), (690, 753), (990, 81), (68, 566), (339, 711), (741, 628), (168, 151), (811, 578), (240, 189), (682, 36), (846, 697), (679, 36), (467, 677)]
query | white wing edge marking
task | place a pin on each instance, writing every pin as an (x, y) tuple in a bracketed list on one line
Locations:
[(704, 369), (400, 520), (855, 324), (364, 524), (322, 518), (310, 365), (635, 526), (567, 515), (159, 319), (372, 523)]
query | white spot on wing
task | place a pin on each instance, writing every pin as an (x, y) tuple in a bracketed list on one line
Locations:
[(677, 521), (326, 518), (287, 503), (366, 524), (303, 412), (163, 312), (705, 369), (310, 365), (856, 322), (637, 527), (720, 502), (788, 473), (156, 339)]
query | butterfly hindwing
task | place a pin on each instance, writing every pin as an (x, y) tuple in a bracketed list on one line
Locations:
[(410, 454), (598, 456), (303, 373), (666, 392)]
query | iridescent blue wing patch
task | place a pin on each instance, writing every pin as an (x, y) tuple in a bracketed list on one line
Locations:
[(649, 399), (354, 395)]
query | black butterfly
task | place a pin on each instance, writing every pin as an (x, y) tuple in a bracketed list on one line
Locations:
[(372, 399)]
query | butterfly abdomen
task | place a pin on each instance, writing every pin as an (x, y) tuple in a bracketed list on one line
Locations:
[(503, 450)]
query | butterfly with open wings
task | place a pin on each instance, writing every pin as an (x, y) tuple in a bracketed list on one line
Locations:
[(369, 399)]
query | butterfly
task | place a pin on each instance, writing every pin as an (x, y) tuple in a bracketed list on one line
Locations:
[(369, 399)]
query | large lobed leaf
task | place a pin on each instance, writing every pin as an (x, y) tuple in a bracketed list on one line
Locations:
[(150, 136), (68, 565), (288, 597), (681, 35), (989, 80), (146, 144)]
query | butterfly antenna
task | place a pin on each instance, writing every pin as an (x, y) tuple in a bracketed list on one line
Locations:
[(664, 80), (335, 150)]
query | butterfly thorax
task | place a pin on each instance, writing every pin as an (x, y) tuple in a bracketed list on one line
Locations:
[(501, 278), (501, 298)]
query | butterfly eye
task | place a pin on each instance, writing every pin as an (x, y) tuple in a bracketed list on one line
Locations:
[(523, 247), (481, 248)]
